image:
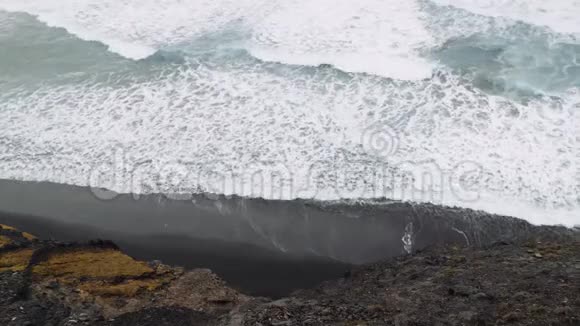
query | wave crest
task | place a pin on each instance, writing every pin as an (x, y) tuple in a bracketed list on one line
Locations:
[(343, 34)]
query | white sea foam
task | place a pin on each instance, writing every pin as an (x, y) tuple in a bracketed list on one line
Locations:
[(559, 15), (223, 125), (341, 33), (136, 29), (210, 124), (371, 36)]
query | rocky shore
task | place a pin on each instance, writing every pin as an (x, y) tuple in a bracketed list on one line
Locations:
[(532, 282)]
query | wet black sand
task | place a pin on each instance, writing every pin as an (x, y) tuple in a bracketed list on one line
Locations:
[(261, 247)]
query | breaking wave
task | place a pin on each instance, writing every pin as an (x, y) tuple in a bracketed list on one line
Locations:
[(326, 93)]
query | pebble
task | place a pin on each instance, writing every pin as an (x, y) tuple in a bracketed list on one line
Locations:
[(521, 295), (53, 285), (512, 317), (563, 311), (326, 311), (155, 263), (480, 296), (462, 290), (467, 315)]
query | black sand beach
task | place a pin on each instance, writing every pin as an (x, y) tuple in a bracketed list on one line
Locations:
[(261, 247), (350, 232)]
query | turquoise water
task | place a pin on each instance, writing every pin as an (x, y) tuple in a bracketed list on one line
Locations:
[(223, 87), (526, 67)]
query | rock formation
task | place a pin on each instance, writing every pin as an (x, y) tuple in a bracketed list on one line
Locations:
[(532, 282)]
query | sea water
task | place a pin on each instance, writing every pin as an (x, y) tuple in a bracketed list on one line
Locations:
[(472, 103)]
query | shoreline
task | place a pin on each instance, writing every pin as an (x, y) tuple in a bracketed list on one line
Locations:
[(355, 233), (110, 263), (260, 247)]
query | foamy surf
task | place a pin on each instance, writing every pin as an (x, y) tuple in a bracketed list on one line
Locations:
[(559, 15), (135, 29), (344, 34), (299, 32), (477, 111)]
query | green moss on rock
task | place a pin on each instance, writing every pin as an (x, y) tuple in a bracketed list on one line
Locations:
[(90, 263), (15, 261), (4, 241)]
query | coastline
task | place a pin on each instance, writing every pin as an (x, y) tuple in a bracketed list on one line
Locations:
[(531, 282), (264, 248), (230, 261), (297, 163), (352, 233)]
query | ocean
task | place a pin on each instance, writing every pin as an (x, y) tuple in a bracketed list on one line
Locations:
[(469, 103)]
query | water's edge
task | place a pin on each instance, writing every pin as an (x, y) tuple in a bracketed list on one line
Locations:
[(347, 232)]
